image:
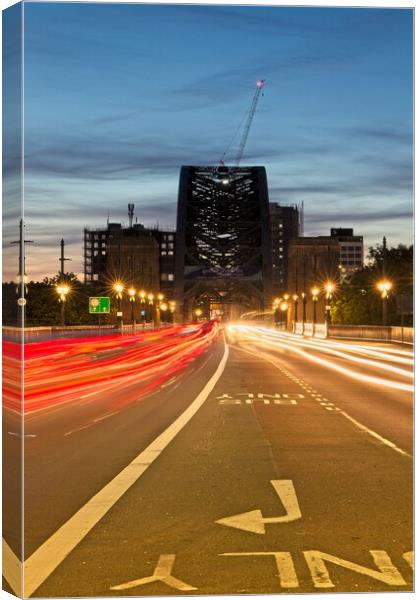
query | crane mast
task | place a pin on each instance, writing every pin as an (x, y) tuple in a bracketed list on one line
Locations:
[(251, 113)]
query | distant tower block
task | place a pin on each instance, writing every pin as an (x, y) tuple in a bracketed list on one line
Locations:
[(130, 215), (223, 259)]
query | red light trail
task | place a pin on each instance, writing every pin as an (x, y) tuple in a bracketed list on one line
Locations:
[(62, 371)]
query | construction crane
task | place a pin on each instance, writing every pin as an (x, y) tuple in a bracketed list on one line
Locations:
[(248, 122)]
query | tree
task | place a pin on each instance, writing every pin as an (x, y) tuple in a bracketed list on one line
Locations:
[(358, 301)]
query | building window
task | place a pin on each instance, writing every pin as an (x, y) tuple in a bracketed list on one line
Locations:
[(164, 277), (170, 276), (170, 252)]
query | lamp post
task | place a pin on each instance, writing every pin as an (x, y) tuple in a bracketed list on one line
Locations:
[(315, 294), (304, 300), (163, 309), (329, 290), (62, 291), (198, 312), (142, 296), (295, 302), (160, 298), (118, 289), (132, 298), (276, 305), (284, 307), (172, 306), (384, 287), (150, 298)]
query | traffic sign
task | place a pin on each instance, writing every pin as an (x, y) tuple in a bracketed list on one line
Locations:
[(99, 304)]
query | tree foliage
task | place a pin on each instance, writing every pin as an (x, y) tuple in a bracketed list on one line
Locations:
[(43, 306), (358, 301)]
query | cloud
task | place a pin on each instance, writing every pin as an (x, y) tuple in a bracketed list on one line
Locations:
[(228, 84), (381, 134), (358, 217)]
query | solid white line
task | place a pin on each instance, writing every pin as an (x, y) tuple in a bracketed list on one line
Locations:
[(52, 552), (375, 435)]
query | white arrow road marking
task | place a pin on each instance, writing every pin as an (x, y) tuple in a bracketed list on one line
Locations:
[(254, 521), (162, 573), (53, 551)]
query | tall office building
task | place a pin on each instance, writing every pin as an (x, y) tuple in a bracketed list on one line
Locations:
[(285, 224), (351, 251), (223, 261), (143, 257)]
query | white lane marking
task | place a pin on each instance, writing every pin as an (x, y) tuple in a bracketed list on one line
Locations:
[(162, 572), (285, 567), (12, 566), (53, 551), (254, 521), (409, 557), (387, 573), (17, 434), (385, 441), (375, 435)]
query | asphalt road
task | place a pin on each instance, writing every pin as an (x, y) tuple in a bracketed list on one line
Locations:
[(268, 464)]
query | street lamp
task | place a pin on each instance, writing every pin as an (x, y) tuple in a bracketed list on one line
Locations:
[(329, 290), (198, 312), (304, 300), (142, 296), (118, 288), (151, 298), (384, 286), (284, 306), (296, 300), (62, 291), (132, 298), (172, 305), (315, 294)]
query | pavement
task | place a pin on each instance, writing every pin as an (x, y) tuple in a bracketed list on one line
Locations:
[(268, 464)]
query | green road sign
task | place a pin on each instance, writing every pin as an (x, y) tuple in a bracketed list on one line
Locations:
[(99, 304)]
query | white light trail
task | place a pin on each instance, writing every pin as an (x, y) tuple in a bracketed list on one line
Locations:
[(261, 337)]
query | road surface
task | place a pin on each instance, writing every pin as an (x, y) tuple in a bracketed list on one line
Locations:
[(265, 463)]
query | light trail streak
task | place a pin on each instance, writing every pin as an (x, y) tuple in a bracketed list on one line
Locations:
[(255, 336), (64, 371), (325, 348), (277, 364), (386, 354)]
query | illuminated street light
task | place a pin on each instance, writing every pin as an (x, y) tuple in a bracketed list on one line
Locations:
[(284, 306), (150, 298), (304, 301), (132, 297), (296, 301), (315, 293), (160, 297), (198, 312), (62, 290), (329, 290), (384, 286), (118, 288)]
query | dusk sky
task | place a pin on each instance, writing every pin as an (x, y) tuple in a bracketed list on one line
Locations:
[(118, 97)]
